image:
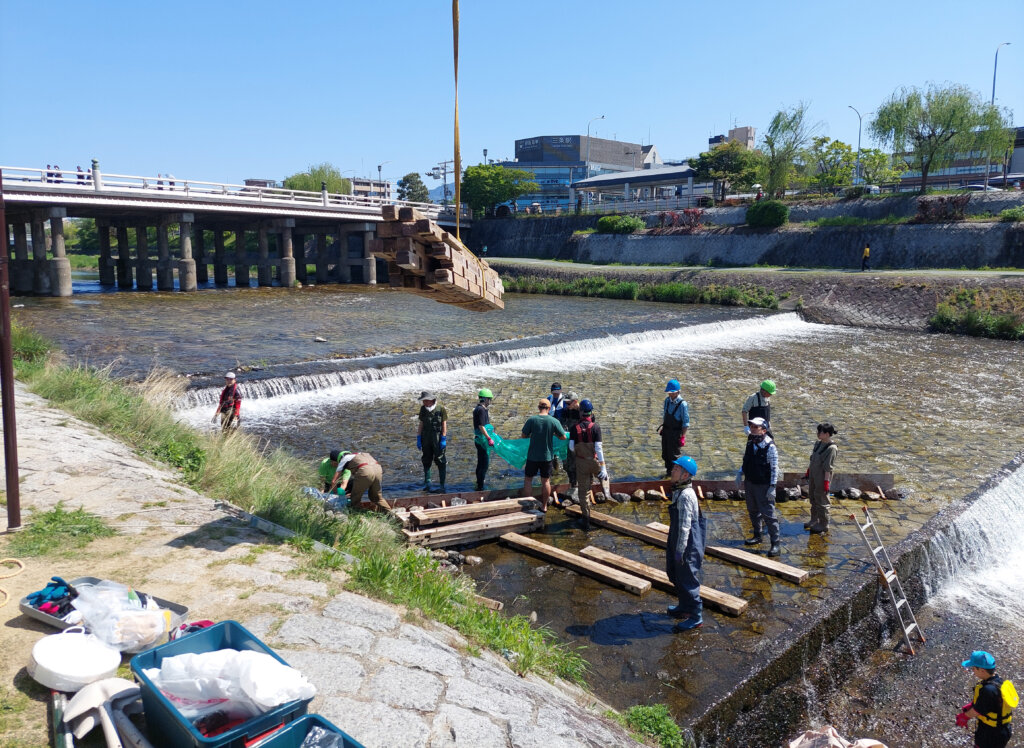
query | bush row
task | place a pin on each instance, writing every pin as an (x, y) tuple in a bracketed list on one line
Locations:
[(767, 214), (620, 224), (674, 292), (985, 314)]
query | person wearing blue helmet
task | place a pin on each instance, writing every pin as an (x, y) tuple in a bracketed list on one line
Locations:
[(675, 420), (684, 554)]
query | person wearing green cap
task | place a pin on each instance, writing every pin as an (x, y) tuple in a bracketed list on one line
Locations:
[(757, 406), (994, 701), (481, 439)]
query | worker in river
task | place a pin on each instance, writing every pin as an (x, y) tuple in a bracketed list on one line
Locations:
[(364, 473), (229, 407), (558, 403), (675, 421), (819, 477), (684, 554), (585, 444), (541, 429), (482, 440), (994, 701), (761, 471), (432, 438), (569, 418), (328, 467), (757, 406)]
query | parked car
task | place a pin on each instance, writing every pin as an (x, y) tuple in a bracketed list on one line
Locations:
[(982, 188)]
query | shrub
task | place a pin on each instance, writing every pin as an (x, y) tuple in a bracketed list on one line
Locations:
[(983, 314), (941, 209), (654, 722), (852, 193), (767, 214), (620, 224), (1012, 214)]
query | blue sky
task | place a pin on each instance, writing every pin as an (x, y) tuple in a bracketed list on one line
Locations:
[(222, 90)]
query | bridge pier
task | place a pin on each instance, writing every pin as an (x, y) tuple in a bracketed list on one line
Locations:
[(286, 267), (263, 277), (299, 245), (106, 266), (164, 269), (321, 257), (40, 270), (220, 268), (124, 268), (202, 264), (21, 268), (60, 265), (241, 260), (186, 265), (143, 269), (369, 261)]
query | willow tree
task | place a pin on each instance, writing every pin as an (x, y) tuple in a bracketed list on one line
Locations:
[(317, 175), (782, 146), (933, 127)]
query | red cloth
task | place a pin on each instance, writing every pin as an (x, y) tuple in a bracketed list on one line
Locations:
[(231, 398)]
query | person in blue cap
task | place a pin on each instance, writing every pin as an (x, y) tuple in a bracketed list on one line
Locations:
[(675, 421), (993, 704), (684, 554)]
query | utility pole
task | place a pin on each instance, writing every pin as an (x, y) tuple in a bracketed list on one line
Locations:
[(441, 172), (995, 69), (856, 168), (7, 381)]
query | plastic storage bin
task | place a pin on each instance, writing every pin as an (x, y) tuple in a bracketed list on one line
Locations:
[(165, 725), (176, 608), (292, 734)]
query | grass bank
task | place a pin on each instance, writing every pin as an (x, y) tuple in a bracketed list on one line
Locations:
[(996, 313), (673, 292), (238, 469)]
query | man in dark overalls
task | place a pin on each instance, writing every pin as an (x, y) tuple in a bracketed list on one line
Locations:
[(684, 554), (675, 421), (432, 438), (757, 406)]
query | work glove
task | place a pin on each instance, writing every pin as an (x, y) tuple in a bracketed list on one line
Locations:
[(827, 484), (490, 442), (962, 720), (444, 443), (603, 475), (739, 475), (419, 441), (746, 430), (682, 440), (771, 494), (807, 474)]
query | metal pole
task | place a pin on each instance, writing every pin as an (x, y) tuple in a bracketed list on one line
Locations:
[(995, 68), (588, 155), (7, 382), (856, 168)]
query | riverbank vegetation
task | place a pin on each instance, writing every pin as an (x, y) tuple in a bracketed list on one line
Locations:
[(653, 722), (996, 313), (239, 469), (673, 292)]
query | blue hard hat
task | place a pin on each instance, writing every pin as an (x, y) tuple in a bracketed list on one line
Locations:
[(586, 406), (673, 386), (688, 464), (981, 659)]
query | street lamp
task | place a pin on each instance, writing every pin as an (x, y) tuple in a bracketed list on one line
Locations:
[(995, 68), (856, 168), (595, 119), (380, 182)]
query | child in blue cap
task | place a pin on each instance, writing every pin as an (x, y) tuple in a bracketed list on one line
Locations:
[(994, 701)]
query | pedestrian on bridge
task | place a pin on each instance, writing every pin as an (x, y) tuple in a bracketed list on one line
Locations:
[(432, 439), (229, 407)]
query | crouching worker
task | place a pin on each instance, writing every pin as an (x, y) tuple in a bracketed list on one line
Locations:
[(328, 467), (994, 701), (684, 555), (364, 473)]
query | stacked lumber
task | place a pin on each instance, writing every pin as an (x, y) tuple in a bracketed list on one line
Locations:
[(472, 531), (426, 260), (422, 518)]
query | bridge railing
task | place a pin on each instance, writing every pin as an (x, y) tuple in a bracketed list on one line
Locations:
[(134, 184)]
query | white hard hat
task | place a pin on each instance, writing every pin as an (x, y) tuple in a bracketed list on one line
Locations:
[(230, 375)]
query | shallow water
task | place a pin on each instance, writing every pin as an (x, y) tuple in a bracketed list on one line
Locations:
[(934, 410)]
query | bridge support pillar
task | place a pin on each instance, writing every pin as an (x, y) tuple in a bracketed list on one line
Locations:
[(241, 260), (21, 275), (263, 276), (299, 246), (106, 266), (345, 261), (40, 268), (369, 261), (143, 268), (220, 266), (287, 258), (164, 269), (60, 265), (321, 258), (199, 250), (124, 267), (186, 265)]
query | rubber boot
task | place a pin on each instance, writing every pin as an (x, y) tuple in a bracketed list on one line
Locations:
[(754, 539), (442, 473), (688, 624), (426, 480), (775, 550)]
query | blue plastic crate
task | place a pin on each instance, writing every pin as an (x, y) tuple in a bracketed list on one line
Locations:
[(292, 734), (165, 725)]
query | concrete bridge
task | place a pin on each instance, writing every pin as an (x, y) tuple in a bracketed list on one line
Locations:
[(292, 228)]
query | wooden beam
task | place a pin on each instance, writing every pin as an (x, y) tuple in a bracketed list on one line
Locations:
[(444, 515), (722, 601), (632, 529), (489, 603), (580, 565), (474, 530), (750, 560)]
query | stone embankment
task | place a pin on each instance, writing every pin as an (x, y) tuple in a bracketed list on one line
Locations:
[(886, 300), (383, 674)]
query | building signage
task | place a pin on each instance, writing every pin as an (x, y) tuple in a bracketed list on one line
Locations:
[(549, 148)]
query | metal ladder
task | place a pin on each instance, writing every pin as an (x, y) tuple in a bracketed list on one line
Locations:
[(890, 579)]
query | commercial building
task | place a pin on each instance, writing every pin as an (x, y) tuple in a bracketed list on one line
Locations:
[(363, 187), (559, 160), (969, 168), (744, 135)]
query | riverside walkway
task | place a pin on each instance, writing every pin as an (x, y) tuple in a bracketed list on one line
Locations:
[(383, 674)]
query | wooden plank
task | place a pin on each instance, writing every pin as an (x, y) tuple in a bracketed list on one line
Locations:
[(389, 212), (580, 565), (445, 515), (413, 261), (489, 603), (520, 522), (632, 529), (749, 560), (483, 523), (406, 213), (722, 601)]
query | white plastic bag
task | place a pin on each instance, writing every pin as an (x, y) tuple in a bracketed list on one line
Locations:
[(827, 737), (241, 684), (116, 614)]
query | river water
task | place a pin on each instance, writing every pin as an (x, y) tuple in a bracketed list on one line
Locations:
[(937, 411)]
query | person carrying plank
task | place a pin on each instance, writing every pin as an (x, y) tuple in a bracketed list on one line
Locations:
[(585, 444), (684, 554), (540, 430), (365, 474)]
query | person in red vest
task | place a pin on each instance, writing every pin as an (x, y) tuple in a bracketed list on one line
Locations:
[(230, 405)]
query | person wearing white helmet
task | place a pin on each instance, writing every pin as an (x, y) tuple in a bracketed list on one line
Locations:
[(229, 407), (432, 439), (675, 421), (761, 473)]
